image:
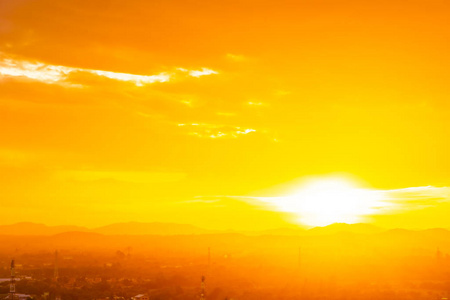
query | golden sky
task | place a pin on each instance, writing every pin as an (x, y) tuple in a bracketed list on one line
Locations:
[(191, 111)]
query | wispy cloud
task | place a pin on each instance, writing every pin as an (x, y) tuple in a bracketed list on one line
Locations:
[(47, 73), (255, 103), (367, 202), (37, 71), (139, 80), (416, 197), (397, 199), (198, 73), (215, 131)]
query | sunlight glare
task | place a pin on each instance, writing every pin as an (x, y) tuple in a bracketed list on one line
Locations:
[(321, 202)]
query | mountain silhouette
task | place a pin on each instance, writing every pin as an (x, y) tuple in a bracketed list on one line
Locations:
[(29, 228), (361, 228), (137, 228), (159, 228)]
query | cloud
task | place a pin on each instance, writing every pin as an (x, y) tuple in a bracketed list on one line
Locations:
[(416, 197), (215, 131), (355, 205), (37, 71), (198, 73), (139, 80), (255, 103), (47, 73), (411, 198)]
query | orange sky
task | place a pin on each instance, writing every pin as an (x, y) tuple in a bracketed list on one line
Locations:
[(115, 111)]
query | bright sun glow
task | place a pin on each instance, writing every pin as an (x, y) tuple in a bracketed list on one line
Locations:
[(322, 202)]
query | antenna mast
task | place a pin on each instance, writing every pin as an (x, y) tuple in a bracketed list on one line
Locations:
[(202, 293), (56, 276), (12, 284)]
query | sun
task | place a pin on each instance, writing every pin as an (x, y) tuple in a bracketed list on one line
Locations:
[(325, 201)]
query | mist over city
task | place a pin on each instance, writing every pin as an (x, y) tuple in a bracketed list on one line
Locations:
[(224, 150)]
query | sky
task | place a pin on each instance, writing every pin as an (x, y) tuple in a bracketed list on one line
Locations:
[(207, 112)]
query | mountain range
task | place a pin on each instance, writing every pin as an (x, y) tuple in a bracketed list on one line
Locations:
[(156, 228)]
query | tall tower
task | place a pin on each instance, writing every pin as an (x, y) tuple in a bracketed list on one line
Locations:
[(202, 292), (56, 276), (12, 284)]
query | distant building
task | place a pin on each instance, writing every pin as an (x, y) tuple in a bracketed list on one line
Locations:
[(19, 297), (9, 279), (438, 254), (140, 297)]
